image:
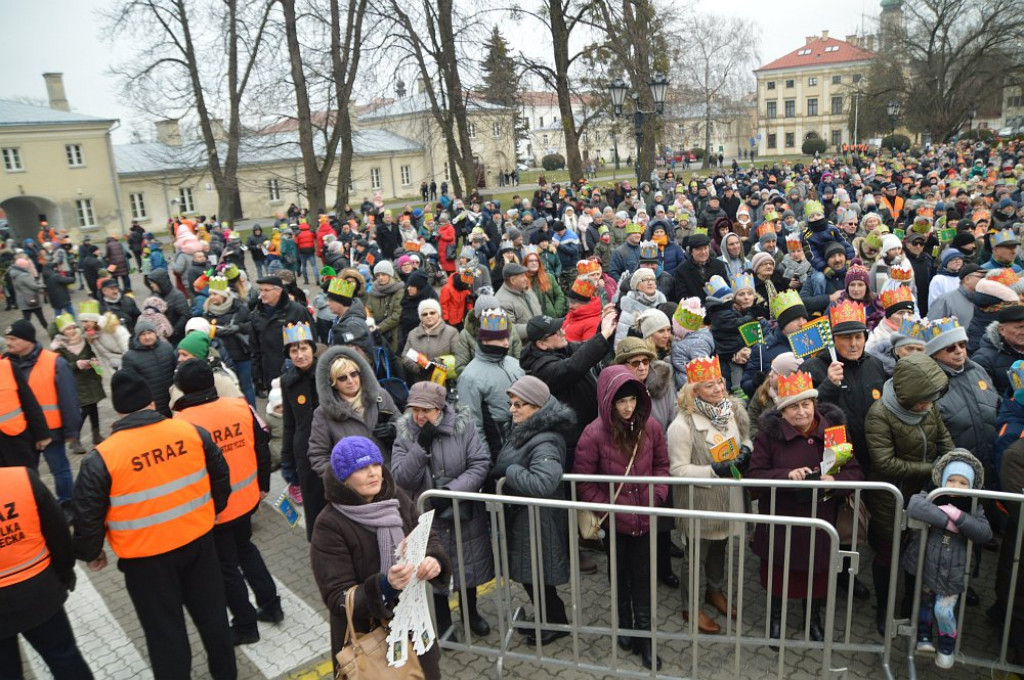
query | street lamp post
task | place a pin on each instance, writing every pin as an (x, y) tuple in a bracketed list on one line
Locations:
[(893, 109), (970, 120), (659, 88)]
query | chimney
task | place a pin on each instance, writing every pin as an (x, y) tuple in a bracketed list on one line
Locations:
[(168, 132), (220, 133), (853, 40), (809, 39), (824, 35), (55, 91)]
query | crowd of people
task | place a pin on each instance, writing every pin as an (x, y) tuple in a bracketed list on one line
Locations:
[(654, 330)]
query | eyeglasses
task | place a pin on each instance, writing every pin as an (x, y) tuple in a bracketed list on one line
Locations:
[(428, 312), (954, 347), (516, 405), (637, 363), (345, 377)]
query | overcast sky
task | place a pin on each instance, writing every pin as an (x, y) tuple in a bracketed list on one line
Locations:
[(65, 36)]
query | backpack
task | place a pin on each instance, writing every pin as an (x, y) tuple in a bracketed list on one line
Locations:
[(394, 385)]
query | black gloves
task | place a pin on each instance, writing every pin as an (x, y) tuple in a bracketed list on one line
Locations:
[(743, 460), (441, 504), (427, 435), (384, 433), (227, 331), (722, 469)]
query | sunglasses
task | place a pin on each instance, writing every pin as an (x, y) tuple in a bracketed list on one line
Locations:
[(637, 363), (954, 347), (345, 377)]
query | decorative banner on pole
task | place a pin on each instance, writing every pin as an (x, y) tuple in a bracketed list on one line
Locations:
[(752, 333), (812, 338)]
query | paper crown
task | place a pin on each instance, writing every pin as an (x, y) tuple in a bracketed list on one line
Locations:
[(89, 307), (783, 301), (913, 328), (716, 287), (1016, 375), (63, 321), (1007, 276), (699, 231), (467, 274), (1004, 237), (689, 314), (793, 241), (531, 250), (297, 332), (937, 327), (231, 272), (584, 267), (648, 250), (770, 216), (583, 288), (901, 271), (793, 384), (895, 296), (493, 320), (874, 240), (741, 281), (634, 228), (703, 369), (811, 207), (218, 284), (847, 311), (341, 288), (328, 273), (766, 228)]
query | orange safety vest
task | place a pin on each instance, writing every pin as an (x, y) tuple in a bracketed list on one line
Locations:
[(43, 381), (895, 207), (12, 419), (23, 551), (229, 422), (159, 488)]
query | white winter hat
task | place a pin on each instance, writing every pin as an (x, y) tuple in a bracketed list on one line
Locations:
[(890, 241)]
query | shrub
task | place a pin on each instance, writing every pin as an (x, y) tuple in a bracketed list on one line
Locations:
[(813, 145), (554, 161), (983, 134), (896, 142), (698, 153)]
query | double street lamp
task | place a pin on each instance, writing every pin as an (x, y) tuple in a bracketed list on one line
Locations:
[(893, 109), (659, 88)]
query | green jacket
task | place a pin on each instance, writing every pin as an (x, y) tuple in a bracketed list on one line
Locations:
[(88, 381), (552, 301), (385, 303), (902, 454)]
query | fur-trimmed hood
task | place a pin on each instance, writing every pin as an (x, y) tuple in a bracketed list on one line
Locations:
[(992, 335), (334, 406), (554, 417), (963, 456), (771, 421)]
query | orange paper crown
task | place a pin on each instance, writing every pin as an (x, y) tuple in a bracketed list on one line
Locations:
[(794, 384), (896, 295), (703, 369), (1007, 277), (901, 271), (848, 311), (583, 287), (765, 228), (584, 267)]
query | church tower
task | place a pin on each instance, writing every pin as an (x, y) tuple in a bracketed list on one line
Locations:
[(890, 25)]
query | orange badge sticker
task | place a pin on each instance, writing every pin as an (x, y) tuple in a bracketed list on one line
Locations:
[(875, 394), (982, 384), (301, 399)]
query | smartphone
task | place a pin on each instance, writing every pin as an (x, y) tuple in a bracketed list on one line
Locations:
[(813, 475)]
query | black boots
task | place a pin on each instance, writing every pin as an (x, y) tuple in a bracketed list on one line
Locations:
[(625, 606), (815, 630), (642, 645), (881, 576), (477, 623), (775, 620), (271, 612)]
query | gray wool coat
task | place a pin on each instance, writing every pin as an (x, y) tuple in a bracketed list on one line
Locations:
[(532, 462), (459, 461), (662, 388), (335, 419), (27, 288)]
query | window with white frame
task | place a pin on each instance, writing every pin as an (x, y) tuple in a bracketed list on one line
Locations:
[(406, 171), (12, 159), (185, 201), (811, 82), (544, 140), (76, 159), (770, 85), (273, 190), (86, 216), (496, 129), (812, 106), (837, 105), (540, 121), (138, 205), (375, 178), (472, 130)]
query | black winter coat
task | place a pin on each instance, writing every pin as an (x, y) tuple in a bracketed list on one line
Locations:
[(233, 328), (156, 364), (124, 309), (298, 401), (57, 287), (268, 340), (690, 278), (178, 311)]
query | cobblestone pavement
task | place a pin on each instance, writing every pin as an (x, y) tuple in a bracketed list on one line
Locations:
[(111, 639)]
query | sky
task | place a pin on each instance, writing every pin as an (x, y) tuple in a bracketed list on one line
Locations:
[(67, 36)]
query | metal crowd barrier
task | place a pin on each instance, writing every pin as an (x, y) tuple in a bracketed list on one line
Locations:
[(583, 629), (1005, 591)]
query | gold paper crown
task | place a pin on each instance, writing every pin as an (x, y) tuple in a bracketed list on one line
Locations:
[(583, 287), (584, 267), (634, 228), (297, 332), (765, 228), (794, 384), (63, 321), (342, 288), (783, 301), (703, 369), (218, 284), (896, 295), (847, 311), (493, 320), (1007, 277), (901, 271)]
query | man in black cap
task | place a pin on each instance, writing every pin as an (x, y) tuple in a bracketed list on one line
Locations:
[(246, 448), (274, 311), (959, 302), (698, 269), (890, 206), (1002, 346), (153, 489), (120, 305), (517, 298), (350, 326)]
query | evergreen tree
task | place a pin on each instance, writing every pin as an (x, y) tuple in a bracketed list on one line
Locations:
[(500, 84)]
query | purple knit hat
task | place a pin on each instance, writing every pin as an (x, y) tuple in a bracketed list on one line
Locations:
[(352, 454)]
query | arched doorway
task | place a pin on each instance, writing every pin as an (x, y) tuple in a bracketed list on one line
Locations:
[(24, 213)]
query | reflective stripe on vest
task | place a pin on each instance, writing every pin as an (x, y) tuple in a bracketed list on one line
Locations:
[(12, 420), (23, 551), (159, 488), (229, 422), (43, 381)]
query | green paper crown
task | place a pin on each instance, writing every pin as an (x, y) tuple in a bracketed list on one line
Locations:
[(218, 284), (63, 321), (342, 288), (811, 207), (89, 307), (783, 301)]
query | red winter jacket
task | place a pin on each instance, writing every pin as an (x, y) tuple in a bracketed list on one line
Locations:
[(305, 240), (447, 233), (581, 323), (324, 229), (453, 303)]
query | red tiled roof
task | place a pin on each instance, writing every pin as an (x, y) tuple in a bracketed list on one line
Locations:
[(817, 52)]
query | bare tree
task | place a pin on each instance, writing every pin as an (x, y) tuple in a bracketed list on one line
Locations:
[(955, 53), (183, 70), (719, 57)]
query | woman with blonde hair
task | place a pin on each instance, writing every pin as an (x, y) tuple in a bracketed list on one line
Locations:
[(548, 291), (709, 438)]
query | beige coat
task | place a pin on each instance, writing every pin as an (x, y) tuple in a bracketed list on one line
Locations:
[(437, 342), (690, 438)]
